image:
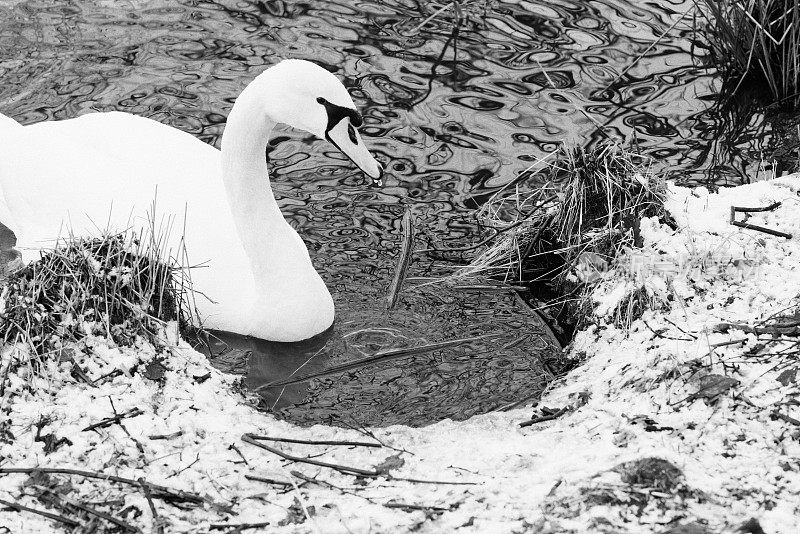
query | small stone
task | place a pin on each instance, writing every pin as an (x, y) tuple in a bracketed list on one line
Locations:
[(689, 528), (154, 370), (751, 526), (711, 386), (788, 376)]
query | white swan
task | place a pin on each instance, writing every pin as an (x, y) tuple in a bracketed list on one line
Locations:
[(258, 272)]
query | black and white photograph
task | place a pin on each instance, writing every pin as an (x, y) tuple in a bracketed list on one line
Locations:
[(400, 266)]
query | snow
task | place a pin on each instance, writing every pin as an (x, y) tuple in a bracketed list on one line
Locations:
[(669, 386)]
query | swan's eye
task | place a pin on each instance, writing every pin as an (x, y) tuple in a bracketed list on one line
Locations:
[(352, 133)]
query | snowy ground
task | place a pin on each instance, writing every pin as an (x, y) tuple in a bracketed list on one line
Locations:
[(670, 423)]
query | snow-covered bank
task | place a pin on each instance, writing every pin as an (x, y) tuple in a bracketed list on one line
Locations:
[(668, 423)]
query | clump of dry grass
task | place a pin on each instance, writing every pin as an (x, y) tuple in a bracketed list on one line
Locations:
[(586, 210), (560, 234), (755, 44), (122, 286), (651, 472), (631, 307)]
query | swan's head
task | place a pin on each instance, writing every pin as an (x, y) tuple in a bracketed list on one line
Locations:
[(314, 100)]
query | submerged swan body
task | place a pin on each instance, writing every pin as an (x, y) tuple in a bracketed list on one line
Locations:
[(106, 170)]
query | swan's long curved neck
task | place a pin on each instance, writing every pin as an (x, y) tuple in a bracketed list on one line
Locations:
[(244, 171)]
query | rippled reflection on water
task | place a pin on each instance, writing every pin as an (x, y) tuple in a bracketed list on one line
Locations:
[(527, 76)]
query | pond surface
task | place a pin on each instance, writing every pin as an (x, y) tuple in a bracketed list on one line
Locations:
[(452, 116)]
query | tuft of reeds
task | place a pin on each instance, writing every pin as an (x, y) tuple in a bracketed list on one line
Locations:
[(755, 44), (558, 232), (573, 225), (122, 286)]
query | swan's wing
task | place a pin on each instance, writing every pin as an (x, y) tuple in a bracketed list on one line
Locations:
[(99, 170), (9, 129), (8, 125)]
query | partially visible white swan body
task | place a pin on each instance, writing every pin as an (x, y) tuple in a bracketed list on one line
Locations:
[(105, 170)]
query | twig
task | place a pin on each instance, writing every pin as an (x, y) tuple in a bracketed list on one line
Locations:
[(660, 333), (248, 438), (787, 418), (748, 226), (406, 506), (777, 329), (237, 526), (5, 367), (64, 501), (112, 420), (160, 492), (502, 289), (108, 376), (543, 418), (233, 446), (317, 442), (436, 482), (403, 260), (268, 480), (419, 26), (643, 54), (347, 470), (497, 232), (76, 371), (653, 44), (369, 360), (49, 515), (176, 473), (138, 444), (166, 436), (452, 38), (157, 525), (324, 483)]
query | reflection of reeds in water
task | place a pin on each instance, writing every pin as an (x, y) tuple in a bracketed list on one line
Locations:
[(755, 44), (587, 209), (121, 286)]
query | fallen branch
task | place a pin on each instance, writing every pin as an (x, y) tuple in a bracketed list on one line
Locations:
[(160, 492), (233, 447), (345, 469), (790, 329), (49, 515), (369, 360), (325, 484), (166, 436), (423, 507), (268, 480), (543, 418), (113, 420), (248, 438), (159, 527), (783, 417), (238, 526), (748, 226), (63, 502), (317, 442)]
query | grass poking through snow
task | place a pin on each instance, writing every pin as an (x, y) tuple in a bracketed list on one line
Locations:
[(121, 286)]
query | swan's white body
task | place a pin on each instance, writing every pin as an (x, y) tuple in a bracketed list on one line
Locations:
[(105, 171)]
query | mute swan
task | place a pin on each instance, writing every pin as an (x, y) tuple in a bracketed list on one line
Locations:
[(257, 270)]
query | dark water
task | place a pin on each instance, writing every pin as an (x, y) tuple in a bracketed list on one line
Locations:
[(509, 356), (526, 77)]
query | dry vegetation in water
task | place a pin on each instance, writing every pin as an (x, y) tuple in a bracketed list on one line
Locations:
[(754, 44), (568, 226)]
